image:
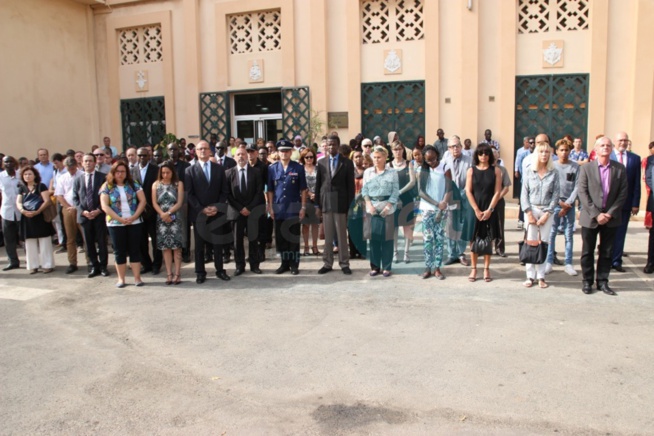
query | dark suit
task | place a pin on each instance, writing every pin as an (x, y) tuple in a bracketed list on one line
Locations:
[(633, 200), (226, 162), (207, 230), (590, 195), (95, 230), (649, 173), (253, 200), (149, 217), (334, 193)]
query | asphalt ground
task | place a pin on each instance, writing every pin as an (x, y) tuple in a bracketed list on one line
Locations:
[(329, 355)]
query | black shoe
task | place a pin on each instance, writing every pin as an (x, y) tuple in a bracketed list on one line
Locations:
[(649, 268), (227, 258), (587, 288), (10, 267), (146, 270), (556, 261), (239, 271), (71, 269), (604, 287), (200, 278), (94, 272), (156, 270), (295, 271), (324, 270), (222, 275), (256, 270), (451, 261), (208, 259), (619, 268), (282, 269), (104, 272), (346, 270)]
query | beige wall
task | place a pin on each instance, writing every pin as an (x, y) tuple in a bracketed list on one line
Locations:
[(47, 78)]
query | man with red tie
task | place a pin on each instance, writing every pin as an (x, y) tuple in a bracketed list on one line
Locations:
[(631, 162)]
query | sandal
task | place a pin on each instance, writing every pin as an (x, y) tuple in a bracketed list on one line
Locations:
[(438, 274), (315, 251), (473, 275), (306, 251), (543, 284), (177, 279), (528, 283), (487, 278), (373, 273), (170, 279)]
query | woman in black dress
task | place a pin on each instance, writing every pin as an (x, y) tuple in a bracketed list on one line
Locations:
[(483, 186), (404, 215)]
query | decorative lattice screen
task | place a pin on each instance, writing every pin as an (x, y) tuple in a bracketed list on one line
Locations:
[(377, 16), (255, 32), (143, 120), (214, 115), (296, 112), (538, 16), (393, 106), (140, 45)]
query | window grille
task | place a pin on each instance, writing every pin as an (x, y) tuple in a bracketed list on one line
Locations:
[(255, 32), (140, 45), (377, 16), (539, 16)]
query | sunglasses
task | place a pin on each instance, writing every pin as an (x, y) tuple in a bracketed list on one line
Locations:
[(142, 155), (309, 157), (483, 153), (367, 146), (98, 154)]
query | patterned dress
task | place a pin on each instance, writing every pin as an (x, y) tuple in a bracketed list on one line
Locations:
[(169, 235)]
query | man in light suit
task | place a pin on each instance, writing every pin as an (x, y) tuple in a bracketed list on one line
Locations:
[(86, 199), (632, 163), (246, 205), (335, 192), (206, 191), (145, 173), (602, 190)]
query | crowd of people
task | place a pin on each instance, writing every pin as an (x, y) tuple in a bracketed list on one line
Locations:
[(144, 204)]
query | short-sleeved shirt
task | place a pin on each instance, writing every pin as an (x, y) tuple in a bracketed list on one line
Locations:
[(9, 190), (287, 186)]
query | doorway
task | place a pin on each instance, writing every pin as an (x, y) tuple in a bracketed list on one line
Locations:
[(257, 115)]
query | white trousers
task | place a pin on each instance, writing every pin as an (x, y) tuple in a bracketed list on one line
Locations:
[(38, 252), (538, 271)]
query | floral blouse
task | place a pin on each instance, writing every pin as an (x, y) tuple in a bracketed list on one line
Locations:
[(115, 203)]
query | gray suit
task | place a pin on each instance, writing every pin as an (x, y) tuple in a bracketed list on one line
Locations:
[(590, 194)]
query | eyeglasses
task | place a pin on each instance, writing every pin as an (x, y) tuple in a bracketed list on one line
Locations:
[(483, 153), (98, 154), (367, 146), (531, 142), (454, 146)]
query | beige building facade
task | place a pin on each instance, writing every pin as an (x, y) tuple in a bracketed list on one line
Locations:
[(77, 70)]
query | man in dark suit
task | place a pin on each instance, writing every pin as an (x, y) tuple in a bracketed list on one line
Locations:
[(255, 162), (226, 162), (206, 191), (145, 173), (335, 192), (649, 181), (86, 199), (602, 190), (246, 205), (632, 163), (180, 165)]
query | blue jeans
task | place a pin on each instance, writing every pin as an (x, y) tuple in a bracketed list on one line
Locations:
[(568, 222)]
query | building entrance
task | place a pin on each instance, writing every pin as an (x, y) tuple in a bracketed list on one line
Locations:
[(257, 116)]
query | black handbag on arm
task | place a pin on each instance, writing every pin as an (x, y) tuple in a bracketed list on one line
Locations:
[(533, 251), (482, 246)]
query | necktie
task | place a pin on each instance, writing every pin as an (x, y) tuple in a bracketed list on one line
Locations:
[(243, 184), (89, 192), (206, 171), (333, 164)]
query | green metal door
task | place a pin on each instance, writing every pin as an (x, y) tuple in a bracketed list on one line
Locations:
[(393, 107), (552, 104), (143, 121), (556, 105)]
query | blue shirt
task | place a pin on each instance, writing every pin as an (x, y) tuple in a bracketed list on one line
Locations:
[(46, 172), (287, 187), (519, 157)]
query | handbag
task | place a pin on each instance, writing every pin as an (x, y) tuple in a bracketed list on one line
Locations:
[(50, 212), (532, 251), (482, 246)]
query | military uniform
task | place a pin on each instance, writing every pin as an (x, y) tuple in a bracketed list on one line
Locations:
[(287, 187)]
